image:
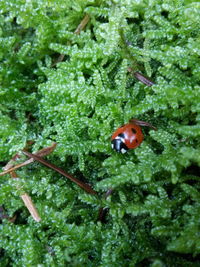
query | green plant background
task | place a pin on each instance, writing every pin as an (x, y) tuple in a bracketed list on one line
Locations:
[(154, 211)]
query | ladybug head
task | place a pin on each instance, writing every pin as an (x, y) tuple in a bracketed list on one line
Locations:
[(119, 145)]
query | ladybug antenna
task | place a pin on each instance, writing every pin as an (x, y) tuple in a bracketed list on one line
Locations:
[(142, 123)]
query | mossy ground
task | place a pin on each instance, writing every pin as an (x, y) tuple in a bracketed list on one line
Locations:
[(153, 217)]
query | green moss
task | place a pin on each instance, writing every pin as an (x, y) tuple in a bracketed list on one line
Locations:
[(153, 217)]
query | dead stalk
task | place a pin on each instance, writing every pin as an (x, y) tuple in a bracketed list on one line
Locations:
[(141, 77), (81, 184), (9, 166), (30, 206), (80, 27), (27, 201)]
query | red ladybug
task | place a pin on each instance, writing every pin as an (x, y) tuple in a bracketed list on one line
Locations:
[(129, 136)]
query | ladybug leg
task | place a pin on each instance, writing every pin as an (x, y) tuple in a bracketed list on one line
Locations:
[(142, 123)]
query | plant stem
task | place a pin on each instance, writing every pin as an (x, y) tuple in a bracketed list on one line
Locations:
[(84, 186)]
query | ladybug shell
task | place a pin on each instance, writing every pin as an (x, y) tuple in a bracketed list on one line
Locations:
[(130, 134)]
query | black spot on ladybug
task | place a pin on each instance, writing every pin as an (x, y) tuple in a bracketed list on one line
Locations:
[(121, 135), (133, 130), (136, 140)]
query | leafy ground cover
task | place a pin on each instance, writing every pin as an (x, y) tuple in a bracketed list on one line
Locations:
[(77, 102)]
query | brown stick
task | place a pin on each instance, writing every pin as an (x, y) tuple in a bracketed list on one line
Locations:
[(16, 167), (25, 197), (80, 27), (142, 123), (141, 77), (43, 152), (28, 202), (11, 162), (30, 206), (84, 186)]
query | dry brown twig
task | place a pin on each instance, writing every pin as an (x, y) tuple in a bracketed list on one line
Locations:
[(141, 77), (24, 196), (9, 166), (80, 27), (81, 184), (37, 156), (27, 201)]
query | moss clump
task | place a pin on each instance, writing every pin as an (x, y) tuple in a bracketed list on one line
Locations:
[(154, 209)]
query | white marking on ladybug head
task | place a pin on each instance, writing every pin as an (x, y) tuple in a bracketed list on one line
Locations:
[(120, 138), (112, 146), (123, 151)]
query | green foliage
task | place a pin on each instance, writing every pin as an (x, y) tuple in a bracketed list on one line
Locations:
[(153, 217)]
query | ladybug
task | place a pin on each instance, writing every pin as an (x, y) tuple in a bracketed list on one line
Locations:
[(129, 136)]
